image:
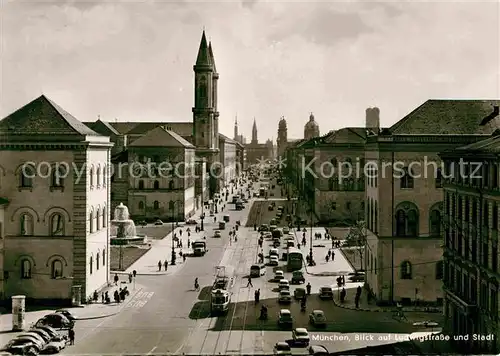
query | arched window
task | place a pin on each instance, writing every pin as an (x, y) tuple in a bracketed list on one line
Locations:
[(98, 219), (104, 216), (375, 223), (26, 174), (25, 269), (494, 181), (171, 185), (57, 225), (91, 221), (56, 269), (494, 217), (141, 205), (26, 225), (97, 262), (439, 270), (57, 176), (334, 163), (435, 222), (333, 183), (406, 270), (91, 264), (156, 205), (156, 184), (104, 175), (141, 184), (171, 205), (104, 257), (438, 180), (91, 176), (406, 221), (98, 176), (406, 181)]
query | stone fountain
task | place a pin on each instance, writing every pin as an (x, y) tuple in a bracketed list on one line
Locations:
[(123, 230)]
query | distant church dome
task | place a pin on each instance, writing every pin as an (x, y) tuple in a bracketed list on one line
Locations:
[(311, 128)]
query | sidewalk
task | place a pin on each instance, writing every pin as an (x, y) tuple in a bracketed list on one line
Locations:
[(161, 250), (338, 267), (85, 312)]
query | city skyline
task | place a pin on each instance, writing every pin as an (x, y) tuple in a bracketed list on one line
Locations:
[(124, 61)]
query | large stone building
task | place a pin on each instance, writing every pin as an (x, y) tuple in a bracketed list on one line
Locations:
[(228, 159), (161, 167), (257, 152), (55, 205), (404, 196), (327, 173), (470, 277)]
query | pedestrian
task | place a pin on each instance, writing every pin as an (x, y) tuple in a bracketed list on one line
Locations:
[(189, 242), (116, 279), (358, 291), (184, 258), (327, 258), (130, 277), (180, 232), (249, 284), (333, 256), (159, 266), (102, 298), (189, 235), (71, 336), (298, 246), (166, 265), (356, 301)]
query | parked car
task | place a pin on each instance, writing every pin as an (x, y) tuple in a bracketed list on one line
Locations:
[(284, 285), (55, 345), (286, 230), (326, 292), (279, 275), (142, 223), (267, 235), (356, 277), (57, 321), (298, 277), (191, 222), (44, 334), (282, 348), (299, 293), (270, 207), (272, 228), (48, 329), (158, 222), (67, 314), (317, 318), (300, 336), (20, 346), (318, 350), (273, 261), (285, 318), (284, 297), (38, 337), (217, 233), (274, 252)]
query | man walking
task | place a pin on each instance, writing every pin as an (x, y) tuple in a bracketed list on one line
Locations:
[(71, 336), (249, 284)]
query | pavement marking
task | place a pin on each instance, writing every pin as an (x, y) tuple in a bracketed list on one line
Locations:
[(152, 350), (139, 300)]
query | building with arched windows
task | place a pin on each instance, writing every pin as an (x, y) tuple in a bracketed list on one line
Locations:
[(54, 205), (404, 209)]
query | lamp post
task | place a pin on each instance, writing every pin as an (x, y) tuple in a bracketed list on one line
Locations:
[(311, 242), (202, 217), (172, 262)]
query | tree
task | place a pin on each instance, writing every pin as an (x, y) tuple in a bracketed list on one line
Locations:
[(356, 238)]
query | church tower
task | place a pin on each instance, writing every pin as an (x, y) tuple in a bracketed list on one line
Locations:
[(254, 133), (205, 115), (236, 138), (282, 137)]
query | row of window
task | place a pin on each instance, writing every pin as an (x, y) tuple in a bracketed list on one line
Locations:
[(470, 209), (57, 266), (347, 184), (98, 219), (476, 174), (156, 185), (465, 286), (156, 205), (406, 180), (97, 176), (406, 270)]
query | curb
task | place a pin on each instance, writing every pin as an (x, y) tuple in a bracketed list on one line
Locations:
[(348, 260), (381, 310)]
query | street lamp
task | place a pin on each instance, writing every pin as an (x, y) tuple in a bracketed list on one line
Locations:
[(311, 262), (174, 223), (202, 216)]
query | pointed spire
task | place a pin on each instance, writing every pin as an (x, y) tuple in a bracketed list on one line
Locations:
[(203, 58), (211, 54), (254, 123), (236, 120)]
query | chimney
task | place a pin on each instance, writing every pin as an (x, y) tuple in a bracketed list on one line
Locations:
[(373, 119)]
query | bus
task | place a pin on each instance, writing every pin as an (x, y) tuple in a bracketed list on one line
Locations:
[(294, 259)]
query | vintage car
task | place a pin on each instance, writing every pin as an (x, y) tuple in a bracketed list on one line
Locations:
[(300, 336), (55, 345), (317, 318)]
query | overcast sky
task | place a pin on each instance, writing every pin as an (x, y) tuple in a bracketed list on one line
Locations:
[(132, 60)]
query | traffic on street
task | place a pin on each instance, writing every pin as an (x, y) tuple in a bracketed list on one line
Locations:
[(243, 289)]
